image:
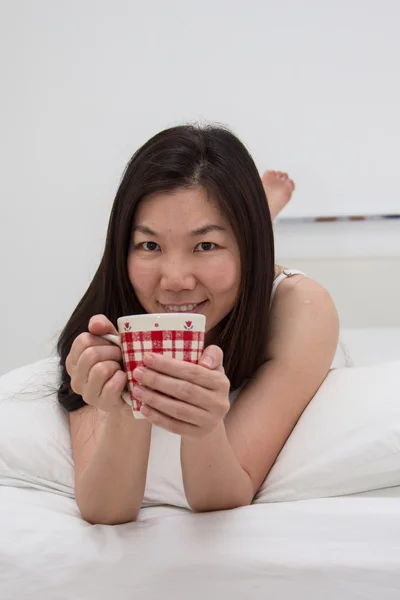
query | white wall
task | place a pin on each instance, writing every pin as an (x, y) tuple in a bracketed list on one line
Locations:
[(311, 87)]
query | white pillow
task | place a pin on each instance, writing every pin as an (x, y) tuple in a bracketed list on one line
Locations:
[(35, 441), (346, 441)]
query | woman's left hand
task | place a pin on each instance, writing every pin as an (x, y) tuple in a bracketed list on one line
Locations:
[(182, 397)]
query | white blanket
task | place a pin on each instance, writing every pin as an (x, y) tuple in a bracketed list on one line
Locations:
[(326, 549)]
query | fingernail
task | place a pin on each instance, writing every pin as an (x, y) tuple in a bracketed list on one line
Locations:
[(148, 359), (207, 361), (137, 392), (138, 373)]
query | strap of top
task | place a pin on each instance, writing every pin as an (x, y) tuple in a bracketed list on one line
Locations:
[(285, 273)]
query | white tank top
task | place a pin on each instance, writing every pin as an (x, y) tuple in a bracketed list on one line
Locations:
[(285, 273)]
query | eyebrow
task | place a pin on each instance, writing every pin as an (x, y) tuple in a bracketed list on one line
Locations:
[(195, 233)]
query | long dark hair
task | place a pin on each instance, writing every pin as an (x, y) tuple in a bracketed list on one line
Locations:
[(186, 156)]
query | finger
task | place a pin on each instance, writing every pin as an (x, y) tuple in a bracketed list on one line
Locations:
[(169, 424), (95, 354), (212, 357), (180, 389), (100, 325), (171, 407), (114, 387), (182, 370), (80, 344), (100, 391)]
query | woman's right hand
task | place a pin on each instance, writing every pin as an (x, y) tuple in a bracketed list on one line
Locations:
[(94, 365)]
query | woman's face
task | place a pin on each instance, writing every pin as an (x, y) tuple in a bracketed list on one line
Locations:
[(184, 256)]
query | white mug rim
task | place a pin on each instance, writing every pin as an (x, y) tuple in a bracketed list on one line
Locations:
[(170, 320)]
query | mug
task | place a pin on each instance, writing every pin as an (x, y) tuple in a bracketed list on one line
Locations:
[(178, 335)]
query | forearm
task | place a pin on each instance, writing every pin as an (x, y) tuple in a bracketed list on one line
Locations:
[(212, 476), (110, 488)]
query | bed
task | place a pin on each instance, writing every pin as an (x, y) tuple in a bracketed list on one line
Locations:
[(328, 548), (286, 545)]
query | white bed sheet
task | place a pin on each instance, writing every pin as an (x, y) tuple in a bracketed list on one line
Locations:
[(334, 548)]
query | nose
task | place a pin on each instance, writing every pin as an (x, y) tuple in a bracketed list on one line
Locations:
[(177, 275)]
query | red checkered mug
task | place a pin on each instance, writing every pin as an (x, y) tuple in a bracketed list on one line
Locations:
[(179, 335)]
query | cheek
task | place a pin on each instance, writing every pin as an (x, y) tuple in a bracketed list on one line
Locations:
[(142, 276), (225, 277)]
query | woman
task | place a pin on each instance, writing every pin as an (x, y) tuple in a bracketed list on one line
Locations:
[(190, 226)]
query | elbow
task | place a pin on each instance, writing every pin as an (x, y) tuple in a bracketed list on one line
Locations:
[(94, 519), (226, 505), (103, 515), (239, 497)]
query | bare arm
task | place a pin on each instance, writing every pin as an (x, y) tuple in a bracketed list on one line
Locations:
[(226, 469), (110, 447), (213, 477), (111, 451)]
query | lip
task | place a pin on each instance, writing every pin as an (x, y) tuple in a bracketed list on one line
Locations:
[(198, 308)]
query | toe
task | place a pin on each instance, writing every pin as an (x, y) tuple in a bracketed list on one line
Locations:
[(268, 175)]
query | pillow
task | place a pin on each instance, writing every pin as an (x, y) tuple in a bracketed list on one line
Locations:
[(35, 441), (346, 441)]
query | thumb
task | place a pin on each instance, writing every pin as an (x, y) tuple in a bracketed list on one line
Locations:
[(212, 358), (100, 325)]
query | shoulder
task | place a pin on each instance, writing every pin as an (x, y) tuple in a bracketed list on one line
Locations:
[(302, 313), (296, 288)]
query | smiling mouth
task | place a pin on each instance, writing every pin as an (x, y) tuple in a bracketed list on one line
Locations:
[(187, 308)]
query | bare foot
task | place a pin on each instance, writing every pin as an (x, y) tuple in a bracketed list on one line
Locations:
[(279, 189)]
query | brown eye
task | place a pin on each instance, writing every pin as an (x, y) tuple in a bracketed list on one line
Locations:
[(149, 246), (205, 246)]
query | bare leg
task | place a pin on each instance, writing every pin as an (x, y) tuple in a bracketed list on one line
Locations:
[(279, 189)]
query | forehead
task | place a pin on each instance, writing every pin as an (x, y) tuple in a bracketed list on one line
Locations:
[(184, 206)]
